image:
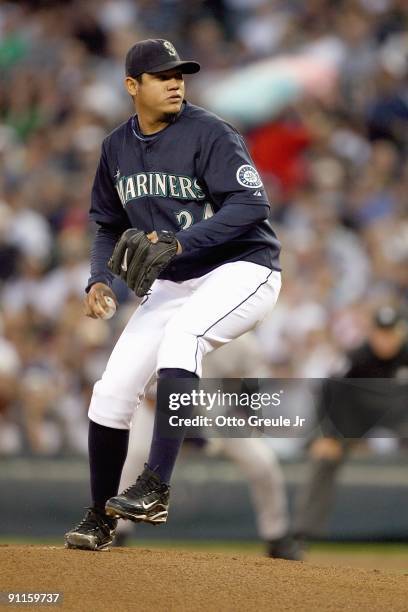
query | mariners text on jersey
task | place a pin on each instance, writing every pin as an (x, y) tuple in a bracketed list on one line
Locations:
[(158, 184), (194, 178)]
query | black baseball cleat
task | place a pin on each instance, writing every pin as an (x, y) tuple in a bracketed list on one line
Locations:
[(285, 548), (147, 500), (95, 532)]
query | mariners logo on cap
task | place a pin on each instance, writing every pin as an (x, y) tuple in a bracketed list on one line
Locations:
[(169, 47), (247, 176)]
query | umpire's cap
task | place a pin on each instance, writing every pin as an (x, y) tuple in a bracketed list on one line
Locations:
[(156, 55), (387, 317)]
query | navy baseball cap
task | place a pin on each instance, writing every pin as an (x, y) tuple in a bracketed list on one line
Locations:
[(156, 55), (387, 317)]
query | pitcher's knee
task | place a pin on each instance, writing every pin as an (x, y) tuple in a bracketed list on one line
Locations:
[(121, 383), (181, 349), (111, 409)]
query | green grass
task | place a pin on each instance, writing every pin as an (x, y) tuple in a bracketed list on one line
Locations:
[(228, 546)]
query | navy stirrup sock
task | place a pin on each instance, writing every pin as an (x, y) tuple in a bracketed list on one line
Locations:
[(107, 454), (164, 449)]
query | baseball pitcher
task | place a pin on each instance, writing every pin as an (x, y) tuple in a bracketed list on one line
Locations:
[(182, 218)]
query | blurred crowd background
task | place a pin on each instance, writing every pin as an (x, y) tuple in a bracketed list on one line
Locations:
[(332, 153)]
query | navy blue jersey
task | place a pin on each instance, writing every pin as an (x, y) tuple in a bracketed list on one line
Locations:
[(195, 178)]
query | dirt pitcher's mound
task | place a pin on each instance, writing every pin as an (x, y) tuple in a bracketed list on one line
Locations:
[(152, 580)]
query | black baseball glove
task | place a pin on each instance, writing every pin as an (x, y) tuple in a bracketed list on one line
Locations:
[(138, 261)]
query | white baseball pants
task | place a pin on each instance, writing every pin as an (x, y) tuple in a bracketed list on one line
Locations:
[(176, 327)]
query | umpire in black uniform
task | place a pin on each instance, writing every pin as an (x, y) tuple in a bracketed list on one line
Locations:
[(350, 408)]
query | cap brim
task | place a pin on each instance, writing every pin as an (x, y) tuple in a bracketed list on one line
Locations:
[(185, 67)]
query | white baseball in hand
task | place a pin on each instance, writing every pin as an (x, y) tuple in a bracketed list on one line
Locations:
[(109, 309)]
